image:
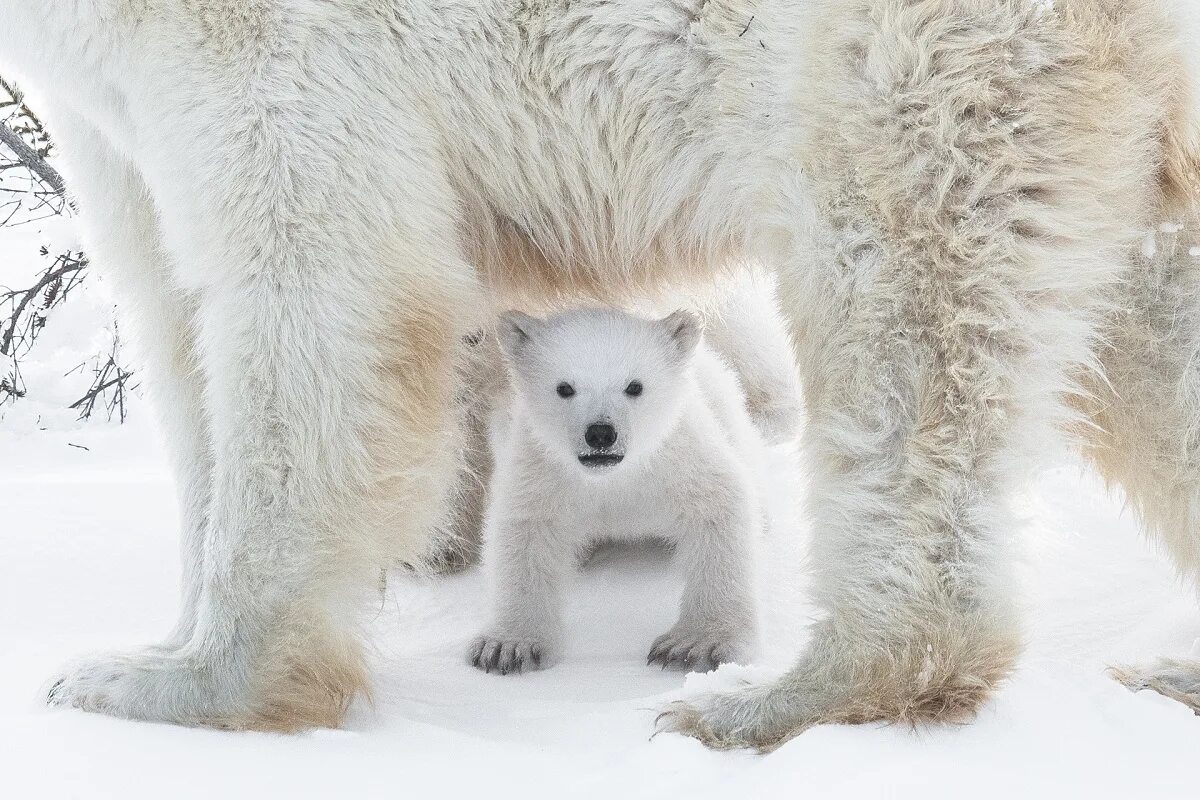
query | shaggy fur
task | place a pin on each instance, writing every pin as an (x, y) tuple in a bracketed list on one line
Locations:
[(313, 201)]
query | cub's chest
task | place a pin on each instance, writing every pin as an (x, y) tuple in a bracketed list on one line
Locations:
[(622, 507)]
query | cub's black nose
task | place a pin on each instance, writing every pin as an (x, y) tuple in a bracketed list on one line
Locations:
[(600, 436)]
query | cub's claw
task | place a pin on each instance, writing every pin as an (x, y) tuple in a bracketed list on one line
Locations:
[(699, 653), (495, 654)]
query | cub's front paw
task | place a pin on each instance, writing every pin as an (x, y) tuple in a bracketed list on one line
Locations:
[(495, 653), (697, 650)]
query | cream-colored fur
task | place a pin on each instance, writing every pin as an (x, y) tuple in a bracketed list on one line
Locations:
[(955, 195)]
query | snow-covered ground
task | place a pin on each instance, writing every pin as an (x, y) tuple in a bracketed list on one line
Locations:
[(87, 561)]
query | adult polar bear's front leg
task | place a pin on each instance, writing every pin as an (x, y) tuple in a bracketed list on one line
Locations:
[(966, 207), (329, 294), (327, 433)]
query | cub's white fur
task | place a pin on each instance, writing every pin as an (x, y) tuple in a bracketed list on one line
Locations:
[(743, 325), (311, 202), (652, 439)]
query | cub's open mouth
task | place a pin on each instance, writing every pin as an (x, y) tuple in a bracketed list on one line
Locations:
[(601, 459)]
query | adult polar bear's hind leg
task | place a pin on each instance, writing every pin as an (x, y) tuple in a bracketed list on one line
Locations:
[(1146, 412), (975, 195)]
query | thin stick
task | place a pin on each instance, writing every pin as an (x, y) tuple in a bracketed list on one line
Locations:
[(32, 159)]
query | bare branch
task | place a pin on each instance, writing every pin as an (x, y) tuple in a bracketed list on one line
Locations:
[(31, 189), (52, 282), (32, 159), (109, 386)]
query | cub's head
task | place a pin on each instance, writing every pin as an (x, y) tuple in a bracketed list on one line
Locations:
[(599, 387)]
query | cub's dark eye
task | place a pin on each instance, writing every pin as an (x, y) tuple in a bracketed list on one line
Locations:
[(634, 388), (565, 389)]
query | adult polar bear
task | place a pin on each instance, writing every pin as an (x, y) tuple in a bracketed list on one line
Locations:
[(309, 201)]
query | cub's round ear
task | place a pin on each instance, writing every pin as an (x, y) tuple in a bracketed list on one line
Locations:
[(684, 327), (515, 330)]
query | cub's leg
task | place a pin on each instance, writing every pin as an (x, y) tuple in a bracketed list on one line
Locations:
[(123, 239), (1146, 415), (962, 215), (531, 553), (721, 520)]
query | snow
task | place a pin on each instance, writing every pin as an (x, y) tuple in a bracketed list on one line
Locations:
[(88, 561)]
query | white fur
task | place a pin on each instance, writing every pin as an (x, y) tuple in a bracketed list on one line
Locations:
[(690, 473), (954, 194), (742, 323)]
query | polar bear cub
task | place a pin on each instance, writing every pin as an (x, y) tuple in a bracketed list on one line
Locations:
[(619, 427)]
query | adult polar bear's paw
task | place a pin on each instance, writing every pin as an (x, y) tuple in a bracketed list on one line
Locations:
[(765, 717), (155, 684), (757, 717), (221, 689), (1173, 678), (942, 683)]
